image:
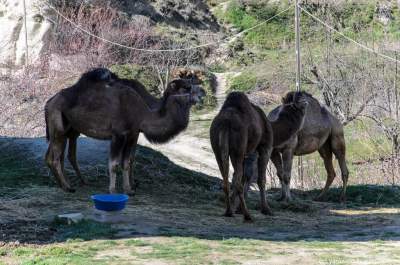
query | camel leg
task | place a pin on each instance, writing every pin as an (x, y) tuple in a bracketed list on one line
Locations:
[(262, 179), (339, 149), (224, 169), (287, 159), (63, 156), (117, 145), (237, 163), (127, 164), (326, 153), (49, 159), (277, 161), (54, 159), (134, 183), (72, 142), (250, 174)]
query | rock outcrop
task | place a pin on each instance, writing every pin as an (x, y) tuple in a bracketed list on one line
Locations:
[(12, 31)]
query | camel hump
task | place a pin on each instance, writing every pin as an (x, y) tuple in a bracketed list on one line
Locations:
[(237, 100), (98, 75)]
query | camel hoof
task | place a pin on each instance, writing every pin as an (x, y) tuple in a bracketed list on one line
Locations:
[(228, 214), (248, 219), (284, 199), (84, 182), (129, 192), (69, 189), (267, 212), (112, 191), (320, 198)]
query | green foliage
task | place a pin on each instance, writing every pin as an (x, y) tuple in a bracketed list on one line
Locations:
[(143, 74), (356, 20), (217, 68), (243, 82), (269, 35)]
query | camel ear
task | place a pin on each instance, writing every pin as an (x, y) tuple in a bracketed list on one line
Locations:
[(172, 85), (283, 99)]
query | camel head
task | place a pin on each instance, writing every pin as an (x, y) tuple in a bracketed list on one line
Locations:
[(298, 99), (184, 91)]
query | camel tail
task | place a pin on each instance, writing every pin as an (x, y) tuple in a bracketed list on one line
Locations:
[(223, 139), (46, 118)]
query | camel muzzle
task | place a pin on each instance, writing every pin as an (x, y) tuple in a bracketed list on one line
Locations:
[(197, 94)]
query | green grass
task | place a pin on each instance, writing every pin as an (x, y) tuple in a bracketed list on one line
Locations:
[(58, 254), (136, 243), (244, 82), (180, 249)]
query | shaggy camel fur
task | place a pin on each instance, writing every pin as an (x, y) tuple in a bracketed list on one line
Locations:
[(241, 129), (320, 131), (102, 106)]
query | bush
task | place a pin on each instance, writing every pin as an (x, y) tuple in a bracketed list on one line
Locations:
[(209, 101), (141, 73)]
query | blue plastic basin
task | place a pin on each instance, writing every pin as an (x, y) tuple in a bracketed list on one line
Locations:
[(109, 202)]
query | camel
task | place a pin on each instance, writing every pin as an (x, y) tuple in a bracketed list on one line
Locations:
[(289, 121), (322, 132), (238, 131), (150, 100), (102, 106)]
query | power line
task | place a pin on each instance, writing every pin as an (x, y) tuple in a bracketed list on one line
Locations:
[(26, 35), (159, 50), (348, 38)]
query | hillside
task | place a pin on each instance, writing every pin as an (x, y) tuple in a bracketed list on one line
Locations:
[(176, 214)]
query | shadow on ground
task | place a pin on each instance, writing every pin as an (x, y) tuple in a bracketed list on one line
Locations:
[(174, 201)]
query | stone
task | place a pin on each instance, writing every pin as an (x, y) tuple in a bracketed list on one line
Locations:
[(70, 218)]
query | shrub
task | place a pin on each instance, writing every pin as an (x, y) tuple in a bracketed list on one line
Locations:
[(141, 73)]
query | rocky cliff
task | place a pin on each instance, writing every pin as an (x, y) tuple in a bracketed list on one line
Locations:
[(12, 31), (192, 14)]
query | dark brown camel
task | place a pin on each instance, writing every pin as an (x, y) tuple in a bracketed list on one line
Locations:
[(321, 131), (101, 106), (150, 100), (241, 129), (289, 122)]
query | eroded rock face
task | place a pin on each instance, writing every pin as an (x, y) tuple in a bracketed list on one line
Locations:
[(12, 31)]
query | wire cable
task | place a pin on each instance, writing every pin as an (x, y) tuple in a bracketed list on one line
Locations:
[(348, 38), (159, 50)]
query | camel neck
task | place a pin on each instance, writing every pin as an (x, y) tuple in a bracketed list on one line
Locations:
[(164, 124), (288, 123)]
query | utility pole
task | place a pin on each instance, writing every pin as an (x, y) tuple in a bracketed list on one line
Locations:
[(26, 36), (298, 71), (298, 63)]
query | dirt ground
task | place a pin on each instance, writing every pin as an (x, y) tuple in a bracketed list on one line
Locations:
[(174, 204)]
